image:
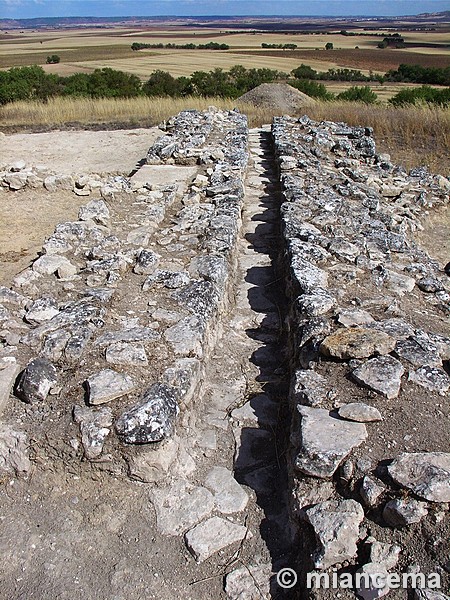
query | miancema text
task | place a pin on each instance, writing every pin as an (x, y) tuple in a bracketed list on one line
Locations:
[(367, 581)]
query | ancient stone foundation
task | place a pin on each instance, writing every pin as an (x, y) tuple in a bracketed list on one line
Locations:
[(109, 337)]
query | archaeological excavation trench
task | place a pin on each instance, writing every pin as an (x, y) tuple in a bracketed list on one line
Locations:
[(233, 363)]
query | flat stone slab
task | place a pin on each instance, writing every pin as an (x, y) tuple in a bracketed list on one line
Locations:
[(229, 496), (431, 378), (163, 175), (180, 507), (427, 474), (213, 535), (325, 441), (360, 412), (35, 382), (357, 342), (336, 526), (108, 385), (382, 374)]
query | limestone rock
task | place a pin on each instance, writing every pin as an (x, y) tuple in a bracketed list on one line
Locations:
[(94, 427), (122, 353), (309, 388), (431, 378), (427, 474), (42, 309), (352, 317), (180, 506), (213, 535), (147, 262), (357, 343), (382, 374), (336, 527), (325, 441), (108, 385), (52, 263), (358, 411), (35, 382), (384, 554), (398, 513), (251, 582), (97, 211), (8, 373), (153, 464), (13, 451), (134, 334), (374, 575), (152, 419), (318, 303), (371, 490), (229, 496)]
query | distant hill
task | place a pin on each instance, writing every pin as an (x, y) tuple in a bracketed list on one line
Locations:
[(104, 22)]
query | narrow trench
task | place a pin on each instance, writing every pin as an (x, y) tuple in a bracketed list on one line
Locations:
[(265, 296)]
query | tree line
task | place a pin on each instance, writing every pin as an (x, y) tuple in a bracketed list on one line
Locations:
[(33, 83), (209, 46)]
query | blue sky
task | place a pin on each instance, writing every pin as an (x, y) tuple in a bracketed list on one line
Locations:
[(108, 8)]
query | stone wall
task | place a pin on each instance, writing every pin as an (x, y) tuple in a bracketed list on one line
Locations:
[(361, 349)]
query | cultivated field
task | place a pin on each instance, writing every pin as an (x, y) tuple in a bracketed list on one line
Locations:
[(83, 50)]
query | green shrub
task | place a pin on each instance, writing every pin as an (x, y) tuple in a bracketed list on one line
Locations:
[(420, 95), (358, 94)]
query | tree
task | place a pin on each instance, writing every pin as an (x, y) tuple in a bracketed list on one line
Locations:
[(329, 46), (304, 72), (53, 59), (161, 83)]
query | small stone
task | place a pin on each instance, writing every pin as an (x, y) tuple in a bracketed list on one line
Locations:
[(35, 382), (8, 375), (13, 451), (213, 535), (325, 441), (430, 285), (358, 411), (42, 310), (19, 165), (399, 513), (180, 506), (357, 343), (382, 374), (371, 584), (352, 317), (397, 282), (251, 582), (51, 263), (153, 464), (16, 181), (315, 304), (122, 353), (310, 491), (385, 554), (134, 334), (186, 336), (147, 262), (97, 211), (229, 496), (54, 344), (427, 474), (336, 527), (371, 490), (418, 352), (309, 388), (108, 385), (94, 427), (152, 419), (431, 378)]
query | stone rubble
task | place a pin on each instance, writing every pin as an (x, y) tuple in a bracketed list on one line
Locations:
[(124, 306), (347, 217)]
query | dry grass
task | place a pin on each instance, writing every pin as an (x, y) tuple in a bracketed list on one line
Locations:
[(141, 111), (413, 136)]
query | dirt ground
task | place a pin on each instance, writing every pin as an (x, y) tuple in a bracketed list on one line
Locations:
[(27, 217)]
